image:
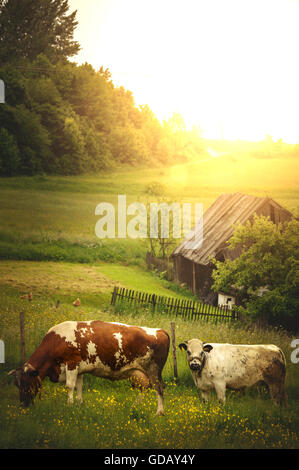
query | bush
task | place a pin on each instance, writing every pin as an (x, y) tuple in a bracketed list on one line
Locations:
[(265, 276)]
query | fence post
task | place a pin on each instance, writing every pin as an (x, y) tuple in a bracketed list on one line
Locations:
[(113, 298), (234, 314), (175, 367), (22, 335), (154, 301)]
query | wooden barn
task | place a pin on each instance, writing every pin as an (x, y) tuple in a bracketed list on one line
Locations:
[(193, 267)]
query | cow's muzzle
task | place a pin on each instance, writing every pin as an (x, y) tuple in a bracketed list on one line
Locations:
[(196, 366), (197, 363)]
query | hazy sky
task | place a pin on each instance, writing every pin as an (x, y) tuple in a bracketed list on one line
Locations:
[(230, 66)]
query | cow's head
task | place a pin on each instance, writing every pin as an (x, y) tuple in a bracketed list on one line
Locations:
[(28, 382), (196, 353)]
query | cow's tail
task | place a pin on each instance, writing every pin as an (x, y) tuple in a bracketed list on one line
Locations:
[(164, 350), (283, 391), (168, 346)]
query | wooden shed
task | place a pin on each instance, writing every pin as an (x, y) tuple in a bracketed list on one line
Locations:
[(193, 267)]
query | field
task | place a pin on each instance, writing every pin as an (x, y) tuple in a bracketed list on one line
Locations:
[(48, 247)]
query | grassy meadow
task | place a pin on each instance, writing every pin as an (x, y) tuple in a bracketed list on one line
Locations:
[(111, 415), (48, 247)]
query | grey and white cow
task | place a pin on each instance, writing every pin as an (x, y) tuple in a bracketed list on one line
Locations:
[(236, 367)]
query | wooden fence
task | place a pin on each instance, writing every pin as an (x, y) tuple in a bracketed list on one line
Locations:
[(187, 309)]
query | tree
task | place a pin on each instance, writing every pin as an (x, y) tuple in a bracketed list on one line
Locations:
[(178, 137), (9, 154), (163, 223), (29, 28), (128, 145), (32, 138), (72, 159), (266, 273)]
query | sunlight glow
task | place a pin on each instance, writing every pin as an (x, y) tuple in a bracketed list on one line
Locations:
[(229, 66), (214, 153)]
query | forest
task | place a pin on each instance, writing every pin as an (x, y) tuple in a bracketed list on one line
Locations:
[(63, 118)]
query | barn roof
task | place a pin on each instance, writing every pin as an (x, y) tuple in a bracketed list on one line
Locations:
[(218, 224)]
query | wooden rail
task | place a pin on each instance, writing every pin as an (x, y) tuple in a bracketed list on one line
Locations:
[(187, 309)]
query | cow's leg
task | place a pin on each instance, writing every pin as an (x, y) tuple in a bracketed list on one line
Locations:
[(274, 376), (278, 393), (79, 387), (160, 409), (283, 395), (156, 381), (274, 392), (71, 379), (220, 391), (205, 395), (159, 387), (139, 380)]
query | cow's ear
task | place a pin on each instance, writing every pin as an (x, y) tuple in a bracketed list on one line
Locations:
[(207, 347), (183, 345), (16, 374)]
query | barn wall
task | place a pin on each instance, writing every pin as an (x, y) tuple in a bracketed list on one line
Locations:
[(184, 274), (203, 279), (185, 271), (231, 254), (197, 277), (275, 213)]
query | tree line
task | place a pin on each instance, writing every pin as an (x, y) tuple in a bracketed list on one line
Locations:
[(63, 118)]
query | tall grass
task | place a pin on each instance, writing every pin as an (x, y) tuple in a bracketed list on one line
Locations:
[(33, 249), (110, 417)]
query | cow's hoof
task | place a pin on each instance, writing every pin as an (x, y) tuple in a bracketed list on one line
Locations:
[(160, 413)]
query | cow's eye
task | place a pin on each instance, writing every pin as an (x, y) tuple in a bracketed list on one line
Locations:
[(188, 352)]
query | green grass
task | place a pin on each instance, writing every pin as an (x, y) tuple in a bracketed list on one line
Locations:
[(48, 247), (53, 218), (138, 279), (110, 416), (58, 279), (60, 211)]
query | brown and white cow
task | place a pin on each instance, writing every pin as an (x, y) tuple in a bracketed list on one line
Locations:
[(111, 350), (236, 367)]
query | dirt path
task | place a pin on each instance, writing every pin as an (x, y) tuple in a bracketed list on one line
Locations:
[(40, 277)]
